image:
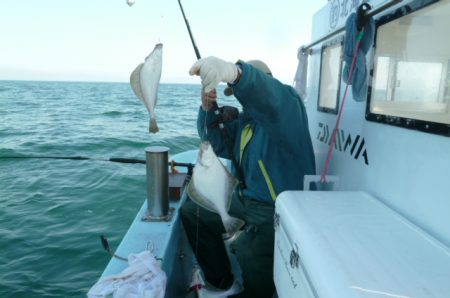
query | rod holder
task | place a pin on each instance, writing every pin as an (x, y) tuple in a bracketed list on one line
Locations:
[(157, 184)]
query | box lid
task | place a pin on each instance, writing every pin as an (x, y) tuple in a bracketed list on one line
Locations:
[(352, 245)]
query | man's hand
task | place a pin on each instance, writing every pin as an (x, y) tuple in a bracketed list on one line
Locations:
[(208, 99), (213, 70)]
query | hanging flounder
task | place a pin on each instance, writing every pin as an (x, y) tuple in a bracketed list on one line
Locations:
[(144, 81), (212, 187)]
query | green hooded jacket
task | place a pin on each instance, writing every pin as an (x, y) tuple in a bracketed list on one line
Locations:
[(280, 151)]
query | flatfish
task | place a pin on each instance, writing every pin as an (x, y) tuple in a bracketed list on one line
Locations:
[(212, 187), (144, 81)]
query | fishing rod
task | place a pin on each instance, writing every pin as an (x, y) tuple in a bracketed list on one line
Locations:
[(172, 163), (197, 53), (120, 160)]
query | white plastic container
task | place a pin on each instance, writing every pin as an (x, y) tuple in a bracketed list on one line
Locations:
[(349, 244)]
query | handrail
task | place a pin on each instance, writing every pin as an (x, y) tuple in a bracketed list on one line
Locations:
[(342, 28)]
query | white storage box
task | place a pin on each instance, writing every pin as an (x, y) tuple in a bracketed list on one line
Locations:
[(349, 244)]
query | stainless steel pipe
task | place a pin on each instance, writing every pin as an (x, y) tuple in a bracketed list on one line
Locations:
[(157, 181)]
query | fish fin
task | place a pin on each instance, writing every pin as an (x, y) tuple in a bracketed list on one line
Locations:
[(232, 225), (198, 198), (135, 82), (153, 127), (231, 187)]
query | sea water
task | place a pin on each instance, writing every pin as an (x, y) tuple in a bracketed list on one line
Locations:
[(53, 211)]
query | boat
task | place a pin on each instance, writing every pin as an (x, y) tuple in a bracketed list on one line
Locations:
[(382, 228)]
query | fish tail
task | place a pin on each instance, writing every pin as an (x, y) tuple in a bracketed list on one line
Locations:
[(232, 225), (153, 127)]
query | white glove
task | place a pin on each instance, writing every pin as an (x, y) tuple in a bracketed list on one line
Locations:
[(213, 70)]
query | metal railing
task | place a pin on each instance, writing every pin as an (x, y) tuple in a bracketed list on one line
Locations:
[(372, 12)]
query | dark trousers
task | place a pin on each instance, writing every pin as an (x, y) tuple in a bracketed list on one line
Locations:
[(253, 248)]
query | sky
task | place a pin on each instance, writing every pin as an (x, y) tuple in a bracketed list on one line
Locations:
[(104, 40)]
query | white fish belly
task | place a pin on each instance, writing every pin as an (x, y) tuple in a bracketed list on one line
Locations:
[(212, 183), (149, 82)]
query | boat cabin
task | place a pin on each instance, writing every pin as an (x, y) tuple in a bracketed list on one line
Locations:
[(384, 228)]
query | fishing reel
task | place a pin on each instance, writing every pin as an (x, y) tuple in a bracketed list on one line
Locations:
[(224, 114)]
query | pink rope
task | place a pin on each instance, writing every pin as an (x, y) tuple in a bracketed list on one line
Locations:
[(338, 119)]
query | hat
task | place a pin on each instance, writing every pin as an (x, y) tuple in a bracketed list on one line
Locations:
[(255, 63)]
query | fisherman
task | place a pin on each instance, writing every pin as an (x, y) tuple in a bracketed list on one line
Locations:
[(271, 147)]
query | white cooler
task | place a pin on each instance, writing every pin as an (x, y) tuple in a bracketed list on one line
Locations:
[(349, 244)]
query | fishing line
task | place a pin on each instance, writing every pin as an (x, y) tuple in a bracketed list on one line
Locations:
[(205, 130), (197, 54), (196, 231), (205, 126)]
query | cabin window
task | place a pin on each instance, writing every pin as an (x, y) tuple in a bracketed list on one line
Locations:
[(411, 70), (330, 76)]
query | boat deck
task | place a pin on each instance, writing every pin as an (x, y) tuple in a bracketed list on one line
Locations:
[(165, 239)]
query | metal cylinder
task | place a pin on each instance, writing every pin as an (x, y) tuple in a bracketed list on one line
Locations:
[(157, 158)]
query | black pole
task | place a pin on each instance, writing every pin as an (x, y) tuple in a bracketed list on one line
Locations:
[(189, 166), (197, 53)]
